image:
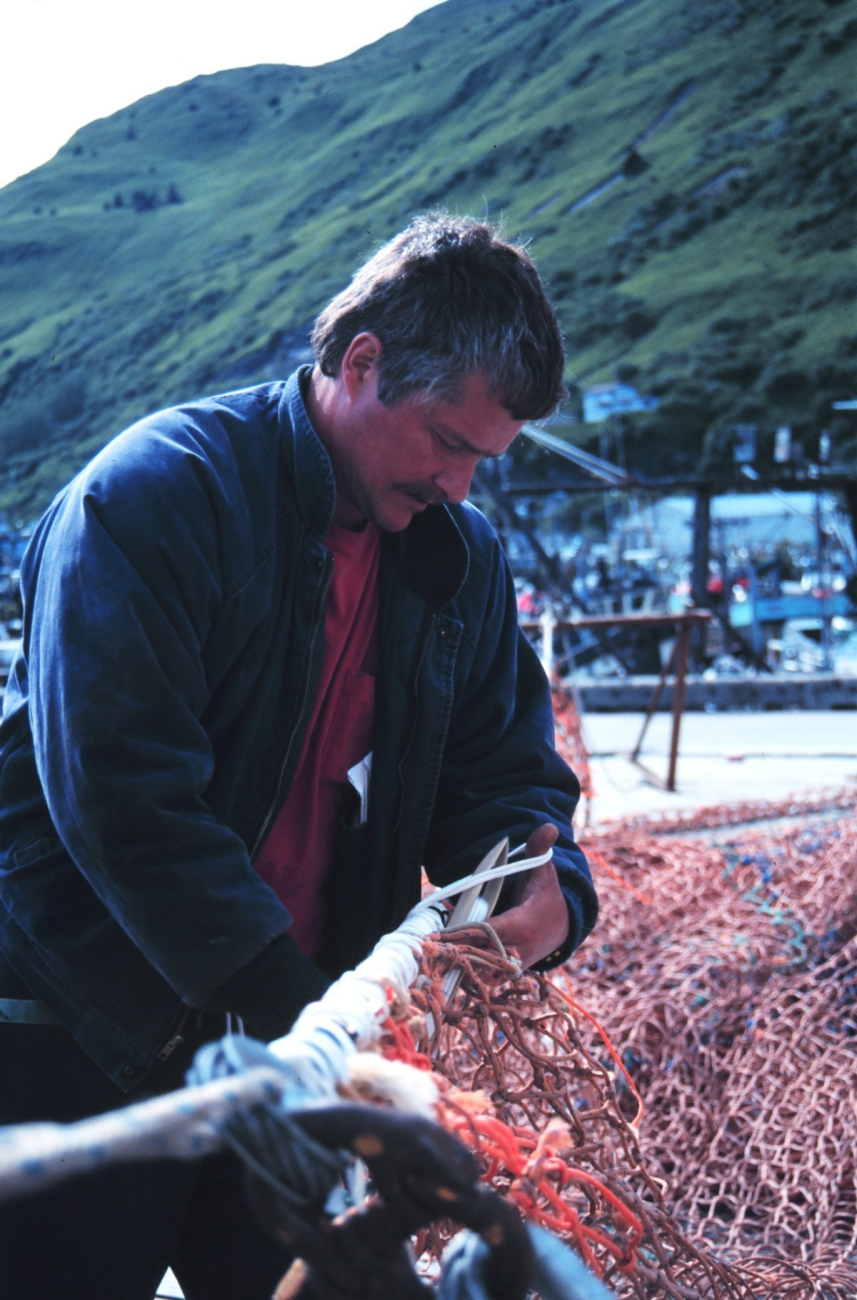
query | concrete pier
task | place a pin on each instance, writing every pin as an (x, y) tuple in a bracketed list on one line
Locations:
[(734, 757), (767, 691)]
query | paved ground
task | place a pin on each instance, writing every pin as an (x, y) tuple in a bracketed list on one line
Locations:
[(723, 757)]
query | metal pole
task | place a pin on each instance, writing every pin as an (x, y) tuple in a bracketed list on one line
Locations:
[(755, 625), (699, 566), (656, 697), (824, 584), (548, 622), (682, 650)]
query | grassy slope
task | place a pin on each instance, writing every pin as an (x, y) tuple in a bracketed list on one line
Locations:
[(717, 270)]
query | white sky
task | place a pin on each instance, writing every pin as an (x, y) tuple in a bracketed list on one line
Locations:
[(64, 63)]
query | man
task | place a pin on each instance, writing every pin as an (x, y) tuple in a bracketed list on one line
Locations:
[(236, 613)]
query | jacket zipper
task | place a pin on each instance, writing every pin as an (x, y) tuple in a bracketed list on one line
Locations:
[(269, 816), (178, 1037), (409, 745)]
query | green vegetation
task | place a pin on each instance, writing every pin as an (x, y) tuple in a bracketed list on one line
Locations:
[(684, 169)]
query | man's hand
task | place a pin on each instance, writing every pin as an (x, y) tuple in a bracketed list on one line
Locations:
[(537, 922)]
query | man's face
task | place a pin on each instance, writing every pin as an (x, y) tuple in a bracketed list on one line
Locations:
[(394, 461)]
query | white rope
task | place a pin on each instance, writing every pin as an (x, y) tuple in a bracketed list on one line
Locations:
[(348, 1018), (180, 1125), (349, 1015)]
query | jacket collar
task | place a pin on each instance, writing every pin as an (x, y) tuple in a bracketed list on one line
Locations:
[(430, 555), (315, 488)]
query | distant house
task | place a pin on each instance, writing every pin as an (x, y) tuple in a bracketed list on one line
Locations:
[(604, 400)]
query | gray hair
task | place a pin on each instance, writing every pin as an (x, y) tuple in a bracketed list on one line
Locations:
[(448, 297)]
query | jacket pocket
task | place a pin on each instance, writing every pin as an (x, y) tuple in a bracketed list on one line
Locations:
[(41, 848)]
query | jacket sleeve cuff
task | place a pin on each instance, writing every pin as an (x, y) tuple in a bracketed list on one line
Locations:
[(573, 938), (271, 990)]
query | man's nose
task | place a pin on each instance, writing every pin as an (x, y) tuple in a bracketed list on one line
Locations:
[(454, 479)]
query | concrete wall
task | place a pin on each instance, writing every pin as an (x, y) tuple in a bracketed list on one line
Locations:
[(767, 691)]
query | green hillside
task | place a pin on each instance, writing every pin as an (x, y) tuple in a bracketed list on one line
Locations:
[(685, 169)]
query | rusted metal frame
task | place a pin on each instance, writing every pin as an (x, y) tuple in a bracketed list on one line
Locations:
[(679, 657), (654, 702), (678, 662)]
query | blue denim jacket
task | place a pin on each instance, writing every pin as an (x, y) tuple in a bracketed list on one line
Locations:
[(173, 622)]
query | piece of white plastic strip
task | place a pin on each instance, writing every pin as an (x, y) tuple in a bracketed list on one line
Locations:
[(483, 877)]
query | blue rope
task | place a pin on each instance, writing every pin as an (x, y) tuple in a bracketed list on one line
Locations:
[(276, 1149), (558, 1273), (764, 897)]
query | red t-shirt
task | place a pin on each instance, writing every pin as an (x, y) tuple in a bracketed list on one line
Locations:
[(297, 854)]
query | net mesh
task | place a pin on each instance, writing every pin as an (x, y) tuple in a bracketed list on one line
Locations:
[(680, 1103)]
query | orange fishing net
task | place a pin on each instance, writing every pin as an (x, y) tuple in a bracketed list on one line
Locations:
[(733, 994), (570, 742), (680, 1103)]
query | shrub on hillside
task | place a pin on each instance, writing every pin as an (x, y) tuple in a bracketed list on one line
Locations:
[(660, 447), (782, 379)]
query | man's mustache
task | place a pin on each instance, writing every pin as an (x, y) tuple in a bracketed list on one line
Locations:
[(430, 496)]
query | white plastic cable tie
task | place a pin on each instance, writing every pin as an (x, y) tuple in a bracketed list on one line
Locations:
[(483, 877)]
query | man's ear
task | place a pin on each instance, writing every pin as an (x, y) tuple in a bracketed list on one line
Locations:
[(360, 361)]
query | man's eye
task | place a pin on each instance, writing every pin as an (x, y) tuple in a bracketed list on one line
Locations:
[(444, 442)]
